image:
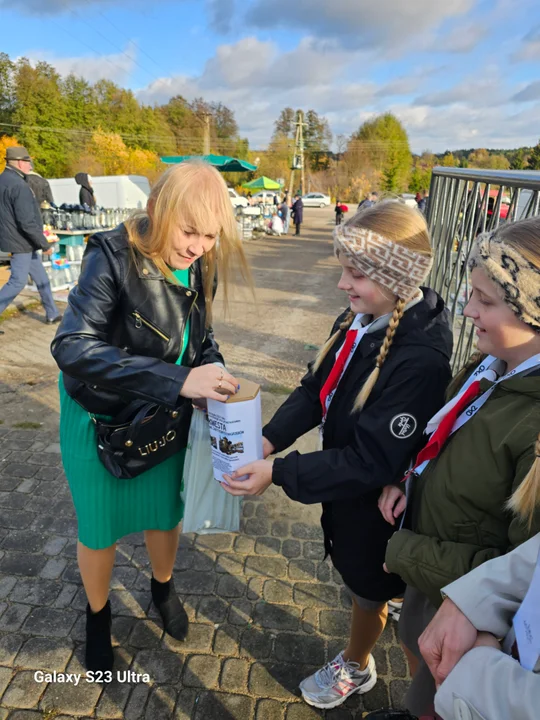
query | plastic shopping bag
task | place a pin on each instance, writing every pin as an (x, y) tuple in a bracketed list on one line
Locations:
[(207, 507)]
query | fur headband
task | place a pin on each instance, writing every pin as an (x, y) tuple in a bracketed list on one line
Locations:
[(390, 264), (517, 277)]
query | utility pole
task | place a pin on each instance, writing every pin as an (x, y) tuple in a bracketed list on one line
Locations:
[(206, 117), (298, 157)]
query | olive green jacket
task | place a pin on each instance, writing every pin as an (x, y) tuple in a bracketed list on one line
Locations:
[(456, 509)]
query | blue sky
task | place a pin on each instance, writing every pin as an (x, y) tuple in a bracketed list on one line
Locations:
[(458, 73)]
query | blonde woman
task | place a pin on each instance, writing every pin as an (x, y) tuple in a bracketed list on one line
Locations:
[(377, 380), (137, 328), (483, 445)]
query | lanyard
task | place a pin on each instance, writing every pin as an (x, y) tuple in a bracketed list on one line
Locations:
[(361, 330), (484, 370)]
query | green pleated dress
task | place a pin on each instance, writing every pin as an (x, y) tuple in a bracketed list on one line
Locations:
[(108, 508)]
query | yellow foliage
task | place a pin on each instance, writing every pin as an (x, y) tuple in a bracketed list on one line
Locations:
[(107, 154), (5, 142)]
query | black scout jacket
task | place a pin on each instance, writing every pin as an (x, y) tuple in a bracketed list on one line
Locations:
[(364, 451), (122, 331)]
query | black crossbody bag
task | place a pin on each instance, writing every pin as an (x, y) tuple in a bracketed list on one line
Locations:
[(140, 437)]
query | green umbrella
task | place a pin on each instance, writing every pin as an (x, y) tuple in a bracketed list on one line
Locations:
[(262, 183), (223, 163)]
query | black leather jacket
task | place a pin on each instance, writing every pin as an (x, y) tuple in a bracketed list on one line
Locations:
[(122, 331)]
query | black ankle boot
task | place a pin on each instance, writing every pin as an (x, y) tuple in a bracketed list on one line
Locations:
[(99, 652), (175, 619)]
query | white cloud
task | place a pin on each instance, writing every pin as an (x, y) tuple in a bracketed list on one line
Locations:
[(385, 24), (485, 89), (462, 39), (221, 15), (530, 93), (529, 48), (458, 126), (400, 86), (116, 67)]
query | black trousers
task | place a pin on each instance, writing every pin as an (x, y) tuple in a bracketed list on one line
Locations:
[(297, 228)]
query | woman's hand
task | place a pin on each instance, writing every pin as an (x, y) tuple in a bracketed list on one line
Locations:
[(446, 640), (392, 503), (259, 479), (268, 448), (209, 381)]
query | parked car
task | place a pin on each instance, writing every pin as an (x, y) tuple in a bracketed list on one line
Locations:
[(315, 199), (236, 199), (264, 196)]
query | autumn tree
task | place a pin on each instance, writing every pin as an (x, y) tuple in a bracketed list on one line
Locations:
[(383, 144), (534, 158), (5, 142), (482, 158), (449, 160)]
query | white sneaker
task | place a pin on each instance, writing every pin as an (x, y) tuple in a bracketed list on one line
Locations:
[(336, 681), (394, 608)]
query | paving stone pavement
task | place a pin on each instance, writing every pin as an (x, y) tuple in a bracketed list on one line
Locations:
[(265, 608)]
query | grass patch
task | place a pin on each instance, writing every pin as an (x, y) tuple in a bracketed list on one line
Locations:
[(26, 425), (13, 312), (50, 714), (275, 389)]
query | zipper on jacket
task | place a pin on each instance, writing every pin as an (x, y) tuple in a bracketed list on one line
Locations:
[(187, 320), (140, 321)]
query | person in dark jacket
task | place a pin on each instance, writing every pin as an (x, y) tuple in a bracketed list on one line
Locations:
[(297, 213), (21, 233), (424, 202), (372, 389), (339, 212), (138, 328), (369, 201), (86, 193), (40, 187)]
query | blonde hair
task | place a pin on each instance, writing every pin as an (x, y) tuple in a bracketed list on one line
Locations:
[(402, 225), (524, 237), (191, 194)]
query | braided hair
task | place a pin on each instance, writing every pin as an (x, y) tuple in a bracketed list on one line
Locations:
[(526, 499), (365, 392), (323, 352)]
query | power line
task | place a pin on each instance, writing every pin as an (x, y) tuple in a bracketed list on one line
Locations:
[(77, 131), (118, 30), (152, 75)]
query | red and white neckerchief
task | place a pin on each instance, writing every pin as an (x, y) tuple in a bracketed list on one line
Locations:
[(489, 369), (344, 356)]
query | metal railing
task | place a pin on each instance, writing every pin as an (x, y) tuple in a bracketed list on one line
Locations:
[(462, 204)]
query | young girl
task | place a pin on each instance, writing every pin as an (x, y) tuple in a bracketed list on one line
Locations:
[(379, 377), (483, 447), (138, 328)]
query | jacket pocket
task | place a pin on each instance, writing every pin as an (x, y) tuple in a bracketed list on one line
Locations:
[(140, 320), (467, 533)]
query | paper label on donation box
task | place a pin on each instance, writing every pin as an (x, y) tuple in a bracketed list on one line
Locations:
[(236, 430)]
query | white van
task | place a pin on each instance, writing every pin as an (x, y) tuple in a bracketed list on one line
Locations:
[(111, 191)]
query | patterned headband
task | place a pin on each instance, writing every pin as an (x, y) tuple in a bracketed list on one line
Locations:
[(390, 264), (515, 275)]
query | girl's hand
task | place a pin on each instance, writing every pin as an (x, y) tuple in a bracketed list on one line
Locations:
[(268, 448), (209, 381), (392, 503), (486, 639), (259, 479)]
